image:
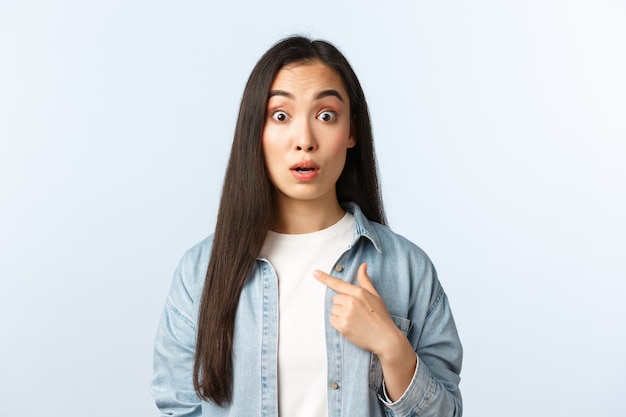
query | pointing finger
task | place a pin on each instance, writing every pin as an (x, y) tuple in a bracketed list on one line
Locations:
[(334, 283)]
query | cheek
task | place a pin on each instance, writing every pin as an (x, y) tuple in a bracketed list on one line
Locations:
[(266, 141), (271, 138), (342, 139), (271, 149)]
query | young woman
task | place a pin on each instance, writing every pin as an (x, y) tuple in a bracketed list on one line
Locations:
[(303, 303)]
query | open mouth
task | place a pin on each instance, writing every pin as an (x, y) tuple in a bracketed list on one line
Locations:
[(305, 169)]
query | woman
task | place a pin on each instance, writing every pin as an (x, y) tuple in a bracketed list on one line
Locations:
[(309, 305)]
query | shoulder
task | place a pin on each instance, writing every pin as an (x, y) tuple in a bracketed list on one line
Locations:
[(383, 239), (388, 236), (393, 245), (403, 267), (403, 254), (189, 276), (197, 255)]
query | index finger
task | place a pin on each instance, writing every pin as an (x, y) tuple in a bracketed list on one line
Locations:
[(332, 282)]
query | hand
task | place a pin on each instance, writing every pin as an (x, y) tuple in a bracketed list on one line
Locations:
[(359, 313)]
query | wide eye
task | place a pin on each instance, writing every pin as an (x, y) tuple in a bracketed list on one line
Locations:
[(280, 116), (327, 116)]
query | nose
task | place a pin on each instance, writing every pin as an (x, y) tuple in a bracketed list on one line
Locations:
[(304, 137)]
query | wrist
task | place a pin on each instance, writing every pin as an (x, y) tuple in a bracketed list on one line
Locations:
[(396, 352), (399, 363)]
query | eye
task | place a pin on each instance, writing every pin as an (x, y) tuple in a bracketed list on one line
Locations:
[(327, 116), (280, 116)]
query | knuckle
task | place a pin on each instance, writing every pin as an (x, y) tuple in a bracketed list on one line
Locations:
[(360, 292)]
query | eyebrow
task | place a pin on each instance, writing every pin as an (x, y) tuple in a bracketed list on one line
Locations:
[(280, 93), (321, 94), (328, 93)]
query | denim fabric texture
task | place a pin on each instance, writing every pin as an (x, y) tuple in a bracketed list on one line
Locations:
[(403, 276)]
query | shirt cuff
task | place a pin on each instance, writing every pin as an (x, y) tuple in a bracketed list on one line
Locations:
[(385, 398)]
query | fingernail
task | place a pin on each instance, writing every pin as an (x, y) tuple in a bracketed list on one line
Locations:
[(317, 274)]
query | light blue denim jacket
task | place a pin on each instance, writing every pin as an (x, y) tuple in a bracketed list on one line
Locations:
[(403, 276)]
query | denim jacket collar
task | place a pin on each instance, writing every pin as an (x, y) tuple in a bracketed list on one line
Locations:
[(362, 226)]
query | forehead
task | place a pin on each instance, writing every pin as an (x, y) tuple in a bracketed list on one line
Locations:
[(311, 76)]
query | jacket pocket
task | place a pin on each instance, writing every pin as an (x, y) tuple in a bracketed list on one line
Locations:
[(376, 371)]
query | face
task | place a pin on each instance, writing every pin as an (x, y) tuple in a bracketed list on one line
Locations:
[(307, 133)]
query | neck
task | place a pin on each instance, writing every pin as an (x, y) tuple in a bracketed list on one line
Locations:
[(298, 217)]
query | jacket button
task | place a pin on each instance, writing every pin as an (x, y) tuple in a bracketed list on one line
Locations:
[(338, 268), (334, 385)]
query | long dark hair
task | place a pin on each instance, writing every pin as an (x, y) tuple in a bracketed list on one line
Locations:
[(247, 206)]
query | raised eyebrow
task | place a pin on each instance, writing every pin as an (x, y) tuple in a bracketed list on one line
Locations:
[(281, 93), (329, 93), (320, 95)]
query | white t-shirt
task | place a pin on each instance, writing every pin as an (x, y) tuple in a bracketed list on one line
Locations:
[(302, 366)]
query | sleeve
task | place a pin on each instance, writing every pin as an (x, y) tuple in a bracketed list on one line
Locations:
[(174, 352), (385, 397), (434, 389)]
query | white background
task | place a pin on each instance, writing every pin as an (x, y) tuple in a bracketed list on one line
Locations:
[(501, 135)]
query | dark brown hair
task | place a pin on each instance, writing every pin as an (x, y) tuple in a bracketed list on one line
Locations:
[(247, 206)]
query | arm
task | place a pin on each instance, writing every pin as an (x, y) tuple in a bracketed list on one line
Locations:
[(360, 315), (174, 350), (426, 386)]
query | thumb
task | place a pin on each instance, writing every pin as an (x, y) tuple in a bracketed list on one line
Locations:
[(365, 281)]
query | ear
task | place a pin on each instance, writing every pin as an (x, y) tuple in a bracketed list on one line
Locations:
[(351, 142), (352, 138)]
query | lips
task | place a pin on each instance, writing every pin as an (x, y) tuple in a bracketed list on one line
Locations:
[(305, 166), (305, 170)]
